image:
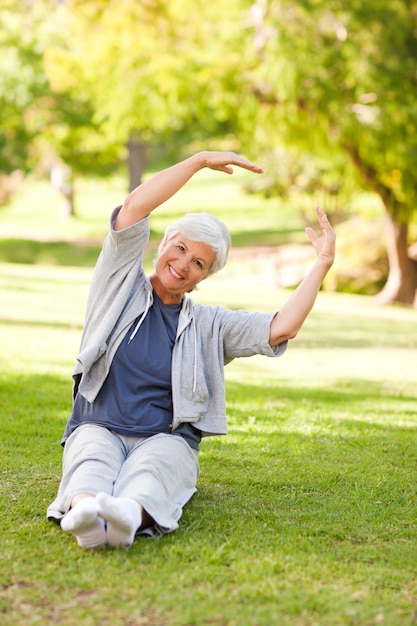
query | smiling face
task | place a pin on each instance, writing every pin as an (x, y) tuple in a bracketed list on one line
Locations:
[(180, 266)]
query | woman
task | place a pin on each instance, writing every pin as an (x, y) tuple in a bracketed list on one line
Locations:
[(149, 381)]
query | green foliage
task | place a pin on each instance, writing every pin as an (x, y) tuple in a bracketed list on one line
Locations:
[(287, 79), (342, 78), (21, 85), (307, 181), (264, 76), (38, 123), (145, 66), (361, 264)]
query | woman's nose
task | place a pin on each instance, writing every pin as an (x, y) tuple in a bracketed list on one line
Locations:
[(184, 263)]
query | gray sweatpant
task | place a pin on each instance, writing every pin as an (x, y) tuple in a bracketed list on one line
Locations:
[(160, 472)]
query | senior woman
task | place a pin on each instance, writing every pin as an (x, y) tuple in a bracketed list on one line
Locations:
[(149, 381)]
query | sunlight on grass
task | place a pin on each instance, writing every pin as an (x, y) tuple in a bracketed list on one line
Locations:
[(35, 212)]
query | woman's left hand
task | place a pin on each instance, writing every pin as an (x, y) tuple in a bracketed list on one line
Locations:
[(223, 162), (325, 244)]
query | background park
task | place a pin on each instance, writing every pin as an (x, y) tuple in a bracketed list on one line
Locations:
[(306, 512)]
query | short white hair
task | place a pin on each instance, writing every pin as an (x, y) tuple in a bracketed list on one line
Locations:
[(204, 228)]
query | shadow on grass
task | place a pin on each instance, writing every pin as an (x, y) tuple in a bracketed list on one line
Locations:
[(48, 253), (39, 405), (33, 413), (40, 324), (34, 409), (55, 253), (352, 394)]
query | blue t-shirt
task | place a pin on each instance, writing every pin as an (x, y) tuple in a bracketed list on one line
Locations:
[(136, 397)]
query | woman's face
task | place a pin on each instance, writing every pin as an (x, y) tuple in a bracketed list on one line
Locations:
[(181, 265)]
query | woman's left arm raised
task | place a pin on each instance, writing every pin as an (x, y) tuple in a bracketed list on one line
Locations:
[(293, 313), (159, 188)]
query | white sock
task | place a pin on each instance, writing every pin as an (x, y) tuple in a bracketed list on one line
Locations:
[(83, 522), (123, 517)]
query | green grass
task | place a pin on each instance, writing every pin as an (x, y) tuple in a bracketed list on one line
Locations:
[(305, 513)]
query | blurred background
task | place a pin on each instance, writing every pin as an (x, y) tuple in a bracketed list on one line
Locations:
[(97, 94)]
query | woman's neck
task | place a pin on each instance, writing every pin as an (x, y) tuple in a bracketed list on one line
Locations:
[(167, 297)]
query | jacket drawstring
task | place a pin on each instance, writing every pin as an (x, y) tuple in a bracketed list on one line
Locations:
[(195, 356), (138, 325)]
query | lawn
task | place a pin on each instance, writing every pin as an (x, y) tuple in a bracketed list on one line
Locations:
[(305, 513)]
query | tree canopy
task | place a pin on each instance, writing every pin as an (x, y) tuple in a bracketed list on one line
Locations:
[(341, 79), (333, 81)]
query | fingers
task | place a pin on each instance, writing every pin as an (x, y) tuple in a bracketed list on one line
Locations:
[(323, 220), (325, 226), (224, 161), (314, 238), (324, 243), (248, 165), (311, 234)]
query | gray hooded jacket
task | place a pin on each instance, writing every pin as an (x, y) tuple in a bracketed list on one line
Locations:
[(207, 337)]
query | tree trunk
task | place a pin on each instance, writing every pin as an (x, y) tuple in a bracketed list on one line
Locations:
[(136, 160), (401, 285), (62, 180)]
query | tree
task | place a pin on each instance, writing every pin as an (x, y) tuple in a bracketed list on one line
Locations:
[(299, 74), (42, 128), (151, 70), (343, 78), (22, 83)]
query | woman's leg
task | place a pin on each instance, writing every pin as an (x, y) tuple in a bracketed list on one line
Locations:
[(160, 473), (142, 485), (92, 460)]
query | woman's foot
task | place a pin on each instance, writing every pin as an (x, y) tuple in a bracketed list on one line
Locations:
[(123, 517), (83, 522)]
